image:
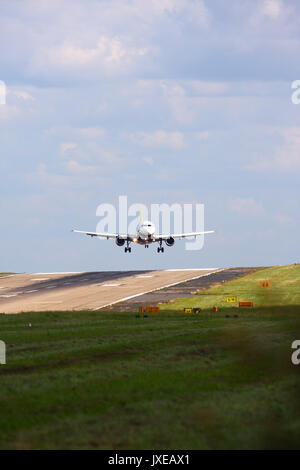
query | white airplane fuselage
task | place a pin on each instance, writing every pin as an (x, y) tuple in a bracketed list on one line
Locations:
[(145, 232)]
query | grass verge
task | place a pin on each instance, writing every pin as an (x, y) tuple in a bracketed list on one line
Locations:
[(111, 380)]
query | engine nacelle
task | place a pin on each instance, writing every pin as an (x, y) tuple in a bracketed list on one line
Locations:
[(120, 241), (170, 241)]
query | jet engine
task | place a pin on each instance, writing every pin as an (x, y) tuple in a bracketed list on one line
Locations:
[(120, 241), (170, 241)]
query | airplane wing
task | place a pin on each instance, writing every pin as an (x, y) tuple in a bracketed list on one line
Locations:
[(181, 235), (104, 235)]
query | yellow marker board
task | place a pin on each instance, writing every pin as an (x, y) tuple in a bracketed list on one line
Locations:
[(230, 299)]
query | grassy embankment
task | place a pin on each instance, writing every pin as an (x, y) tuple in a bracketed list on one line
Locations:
[(107, 380)]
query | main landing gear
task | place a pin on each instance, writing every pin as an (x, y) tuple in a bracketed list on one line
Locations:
[(160, 248), (127, 248)]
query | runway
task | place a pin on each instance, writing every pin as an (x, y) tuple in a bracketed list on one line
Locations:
[(85, 291), (181, 290)]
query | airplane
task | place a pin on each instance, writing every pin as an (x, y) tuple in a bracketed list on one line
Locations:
[(145, 235)]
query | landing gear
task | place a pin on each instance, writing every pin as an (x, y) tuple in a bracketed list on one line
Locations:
[(160, 248), (146, 246), (127, 248)]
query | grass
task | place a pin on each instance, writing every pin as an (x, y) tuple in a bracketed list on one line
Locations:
[(172, 380), (283, 290)]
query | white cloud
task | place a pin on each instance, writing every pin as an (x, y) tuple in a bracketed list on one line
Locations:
[(285, 220), (272, 11), (77, 168), (160, 138), (108, 157), (148, 160), (20, 94), (107, 50), (285, 157), (53, 40), (207, 88), (98, 162), (187, 98), (198, 13), (108, 55), (271, 8), (201, 135), (191, 10), (8, 112), (246, 206), (42, 175), (91, 132), (178, 102), (65, 147)]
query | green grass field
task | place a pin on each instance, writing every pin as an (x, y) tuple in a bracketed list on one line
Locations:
[(283, 290), (170, 381)]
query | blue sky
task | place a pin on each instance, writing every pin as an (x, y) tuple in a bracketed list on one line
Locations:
[(162, 100)]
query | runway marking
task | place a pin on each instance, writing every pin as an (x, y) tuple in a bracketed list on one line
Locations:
[(9, 295), (50, 287), (4, 277), (41, 279), (69, 272), (67, 282), (3, 287), (109, 285), (157, 288), (193, 269), (30, 291), (145, 275)]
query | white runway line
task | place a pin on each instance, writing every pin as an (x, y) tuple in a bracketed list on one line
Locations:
[(30, 291), (3, 287), (193, 269), (10, 275), (50, 287), (157, 288), (140, 276), (41, 279), (9, 295), (70, 272), (109, 285)]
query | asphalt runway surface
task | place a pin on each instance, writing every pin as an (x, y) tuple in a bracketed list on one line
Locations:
[(89, 290), (181, 290)]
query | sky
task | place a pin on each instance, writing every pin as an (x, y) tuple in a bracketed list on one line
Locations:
[(164, 101)]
